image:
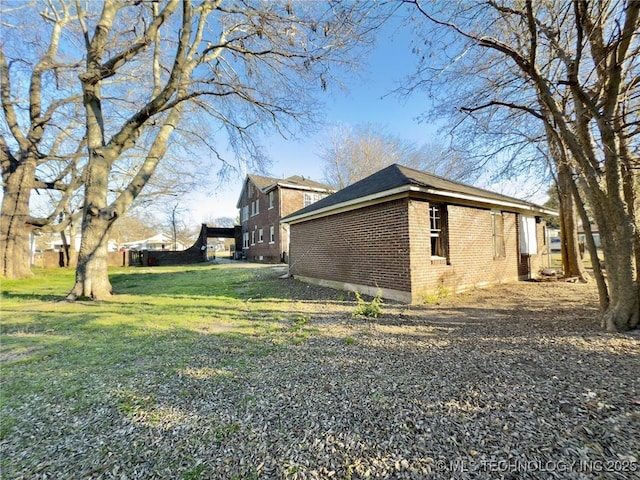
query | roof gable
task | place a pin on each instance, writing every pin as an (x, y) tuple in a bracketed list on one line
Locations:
[(297, 182), (396, 178)]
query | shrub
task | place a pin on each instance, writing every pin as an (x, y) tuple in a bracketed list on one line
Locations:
[(435, 297), (368, 309)]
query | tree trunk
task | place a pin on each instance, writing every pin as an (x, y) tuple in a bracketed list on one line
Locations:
[(15, 244), (623, 312), (92, 278), (603, 290), (571, 260)]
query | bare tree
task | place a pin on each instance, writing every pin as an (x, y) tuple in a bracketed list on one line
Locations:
[(351, 153), (43, 150), (243, 66), (572, 66), (41, 141)]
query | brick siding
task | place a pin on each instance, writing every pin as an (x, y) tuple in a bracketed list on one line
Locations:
[(368, 246), (470, 252), (388, 246), (264, 251)]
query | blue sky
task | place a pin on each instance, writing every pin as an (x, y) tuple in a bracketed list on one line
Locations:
[(368, 99)]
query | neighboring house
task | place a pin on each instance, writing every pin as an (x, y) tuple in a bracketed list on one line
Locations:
[(262, 203), (53, 242), (160, 241), (403, 234)]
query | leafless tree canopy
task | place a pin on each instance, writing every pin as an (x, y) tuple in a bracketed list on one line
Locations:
[(558, 77), (351, 153), (137, 77)]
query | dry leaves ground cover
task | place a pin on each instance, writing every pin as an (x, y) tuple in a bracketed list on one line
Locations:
[(225, 372)]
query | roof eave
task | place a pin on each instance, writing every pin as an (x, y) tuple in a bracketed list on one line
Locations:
[(405, 190), (515, 204)]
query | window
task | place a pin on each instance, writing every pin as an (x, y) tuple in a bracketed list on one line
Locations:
[(497, 227), (245, 240), (437, 226), (245, 213), (257, 206), (528, 240), (253, 208), (260, 236), (310, 198), (272, 234), (253, 237), (271, 199)]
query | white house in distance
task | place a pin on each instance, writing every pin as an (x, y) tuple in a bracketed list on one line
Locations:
[(160, 241)]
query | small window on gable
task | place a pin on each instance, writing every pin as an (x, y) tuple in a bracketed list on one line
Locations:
[(310, 198), (257, 206), (271, 198), (438, 230), (497, 227)]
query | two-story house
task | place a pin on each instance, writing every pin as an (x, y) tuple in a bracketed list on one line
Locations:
[(262, 203)]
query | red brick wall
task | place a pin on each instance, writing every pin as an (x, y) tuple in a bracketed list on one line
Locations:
[(470, 250), (264, 251), (286, 201), (291, 201), (368, 246)]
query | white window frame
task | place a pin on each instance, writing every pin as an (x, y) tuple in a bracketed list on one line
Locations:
[(253, 237), (272, 234), (312, 197), (528, 236), (260, 236), (271, 199), (437, 229)]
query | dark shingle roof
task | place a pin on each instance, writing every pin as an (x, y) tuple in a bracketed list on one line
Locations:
[(296, 181), (262, 182), (304, 183), (395, 176)]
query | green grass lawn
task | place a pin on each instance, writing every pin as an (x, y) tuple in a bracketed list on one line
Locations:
[(77, 357)]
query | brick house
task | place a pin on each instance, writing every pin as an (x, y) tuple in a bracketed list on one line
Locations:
[(405, 233), (262, 204)]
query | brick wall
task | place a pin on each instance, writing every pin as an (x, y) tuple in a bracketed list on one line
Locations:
[(530, 265), (470, 260), (368, 246), (291, 201), (286, 201), (371, 246), (264, 251)]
